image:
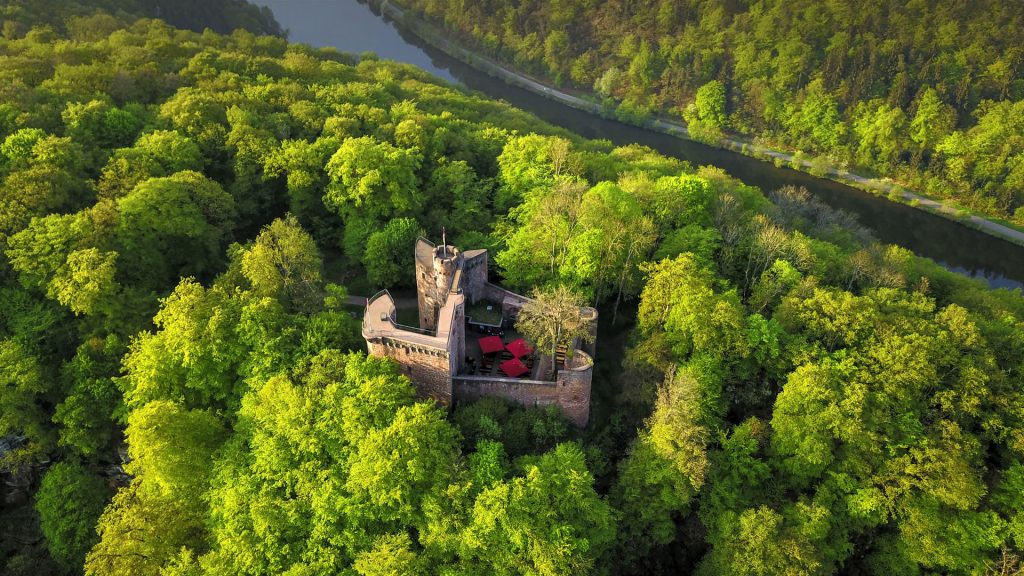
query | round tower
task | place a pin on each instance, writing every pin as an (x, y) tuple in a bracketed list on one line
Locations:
[(436, 268), (446, 262)]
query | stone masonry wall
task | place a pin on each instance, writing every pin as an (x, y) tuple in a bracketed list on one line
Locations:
[(529, 393), (425, 293), (474, 276), (429, 368), (457, 340), (511, 302)]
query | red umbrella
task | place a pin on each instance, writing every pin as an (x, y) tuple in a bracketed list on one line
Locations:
[(490, 344), (519, 348), (513, 367)]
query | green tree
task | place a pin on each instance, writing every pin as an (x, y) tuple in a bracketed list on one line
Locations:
[(40, 251), (390, 556), (69, 501), (556, 53), (664, 470), (933, 120), (705, 116), (86, 414), (679, 300), (395, 467), (23, 407), (155, 154), (531, 164), (374, 177), (538, 248), (509, 536), (87, 283), (615, 237), (387, 252), (881, 134), (140, 531), (195, 356), (760, 541), (815, 122), (173, 226), (284, 263), (710, 104), (170, 446)]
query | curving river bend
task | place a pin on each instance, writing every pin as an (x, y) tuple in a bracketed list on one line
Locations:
[(352, 27)]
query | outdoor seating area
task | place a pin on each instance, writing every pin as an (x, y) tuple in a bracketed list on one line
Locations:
[(495, 357)]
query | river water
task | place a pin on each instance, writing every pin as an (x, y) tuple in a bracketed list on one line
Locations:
[(353, 27)]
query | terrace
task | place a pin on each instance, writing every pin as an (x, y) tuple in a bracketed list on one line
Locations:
[(481, 364), (380, 320)]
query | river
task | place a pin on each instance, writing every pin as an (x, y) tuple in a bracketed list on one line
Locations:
[(353, 27)]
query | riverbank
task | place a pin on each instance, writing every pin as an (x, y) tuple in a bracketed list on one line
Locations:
[(888, 190)]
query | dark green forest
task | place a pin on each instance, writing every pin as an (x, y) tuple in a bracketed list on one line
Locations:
[(18, 16), (183, 216), (927, 93)]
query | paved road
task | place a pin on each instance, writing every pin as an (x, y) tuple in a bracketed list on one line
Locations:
[(430, 34)]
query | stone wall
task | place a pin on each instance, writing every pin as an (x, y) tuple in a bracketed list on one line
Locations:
[(511, 303), (457, 339), (529, 393), (474, 277), (429, 368), (436, 269), (425, 284), (447, 262)]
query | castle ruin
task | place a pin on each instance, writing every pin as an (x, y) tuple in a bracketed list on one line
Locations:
[(456, 302)]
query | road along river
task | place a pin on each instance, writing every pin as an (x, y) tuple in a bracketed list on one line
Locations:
[(353, 27)]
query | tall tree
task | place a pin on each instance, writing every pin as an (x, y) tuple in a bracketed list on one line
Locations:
[(70, 501), (553, 318)]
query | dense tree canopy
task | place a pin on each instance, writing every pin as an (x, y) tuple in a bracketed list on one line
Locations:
[(774, 390), (927, 92)]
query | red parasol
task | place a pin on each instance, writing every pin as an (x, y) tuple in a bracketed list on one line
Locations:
[(513, 367), (518, 348), (490, 344)]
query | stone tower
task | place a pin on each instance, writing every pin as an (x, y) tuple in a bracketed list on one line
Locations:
[(436, 270)]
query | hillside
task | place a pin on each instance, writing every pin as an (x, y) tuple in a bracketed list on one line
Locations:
[(926, 93), (65, 16), (183, 216)]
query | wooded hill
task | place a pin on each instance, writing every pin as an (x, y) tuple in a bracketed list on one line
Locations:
[(221, 16), (178, 216), (929, 93)]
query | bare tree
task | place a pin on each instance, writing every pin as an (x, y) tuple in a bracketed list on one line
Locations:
[(1007, 565)]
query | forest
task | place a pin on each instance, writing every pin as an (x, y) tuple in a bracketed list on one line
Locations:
[(184, 390), (924, 92)]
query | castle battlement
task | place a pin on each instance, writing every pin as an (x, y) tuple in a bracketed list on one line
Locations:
[(434, 354)]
